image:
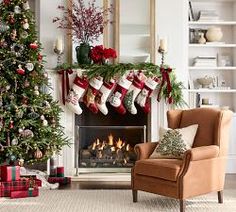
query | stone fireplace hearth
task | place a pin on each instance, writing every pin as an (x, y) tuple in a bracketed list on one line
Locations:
[(70, 121)]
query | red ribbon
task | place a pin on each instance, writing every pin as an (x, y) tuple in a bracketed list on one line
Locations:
[(65, 83), (165, 79)]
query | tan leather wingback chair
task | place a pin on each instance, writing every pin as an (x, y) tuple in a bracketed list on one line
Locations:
[(202, 169)]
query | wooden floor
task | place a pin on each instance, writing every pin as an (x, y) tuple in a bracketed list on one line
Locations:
[(230, 182)]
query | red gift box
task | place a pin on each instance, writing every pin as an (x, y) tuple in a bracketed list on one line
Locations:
[(60, 171), (10, 173), (60, 180), (20, 185), (21, 194)]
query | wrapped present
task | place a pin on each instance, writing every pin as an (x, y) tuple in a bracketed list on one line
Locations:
[(37, 182), (20, 185), (10, 173), (60, 180), (31, 192), (60, 171)]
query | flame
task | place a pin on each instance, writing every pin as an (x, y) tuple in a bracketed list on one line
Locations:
[(120, 144), (97, 142), (110, 140), (127, 147)]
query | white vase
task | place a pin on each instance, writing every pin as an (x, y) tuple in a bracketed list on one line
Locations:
[(202, 40), (214, 34)]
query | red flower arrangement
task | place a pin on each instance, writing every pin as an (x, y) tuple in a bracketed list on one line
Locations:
[(99, 54), (86, 23)]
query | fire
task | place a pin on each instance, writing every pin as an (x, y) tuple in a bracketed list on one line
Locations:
[(110, 140), (119, 144)]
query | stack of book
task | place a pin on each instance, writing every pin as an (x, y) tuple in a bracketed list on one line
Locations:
[(208, 15), (205, 61)]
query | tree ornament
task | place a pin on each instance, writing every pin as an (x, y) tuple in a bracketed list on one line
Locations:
[(26, 5), (3, 43), (33, 45), (21, 162), (24, 100), (11, 18), (3, 27), (20, 70), (17, 10), (26, 84), (45, 123), (11, 125), (24, 34), (6, 2), (29, 66), (42, 117), (33, 115), (13, 35), (36, 90), (38, 154), (25, 23), (53, 122), (40, 57), (26, 133), (14, 142), (12, 158), (17, 49)]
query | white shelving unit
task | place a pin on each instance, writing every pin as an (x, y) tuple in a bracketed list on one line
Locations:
[(226, 10)]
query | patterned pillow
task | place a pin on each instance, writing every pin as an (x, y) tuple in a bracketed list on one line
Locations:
[(175, 142)]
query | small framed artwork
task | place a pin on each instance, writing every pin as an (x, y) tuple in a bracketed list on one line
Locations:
[(190, 12)]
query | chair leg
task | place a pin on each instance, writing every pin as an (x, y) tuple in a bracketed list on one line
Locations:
[(220, 196), (182, 205), (135, 195)]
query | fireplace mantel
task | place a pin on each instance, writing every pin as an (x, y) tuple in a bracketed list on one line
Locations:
[(67, 157)]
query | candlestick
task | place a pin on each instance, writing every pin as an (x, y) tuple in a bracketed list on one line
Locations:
[(59, 49), (163, 44)]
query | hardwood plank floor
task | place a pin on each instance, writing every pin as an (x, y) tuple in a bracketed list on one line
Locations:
[(230, 182)]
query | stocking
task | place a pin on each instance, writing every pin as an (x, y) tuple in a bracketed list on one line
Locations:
[(133, 92), (103, 95), (143, 97), (119, 94), (79, 86), (93, 89)]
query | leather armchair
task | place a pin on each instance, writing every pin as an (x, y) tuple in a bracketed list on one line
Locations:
[(202, 169)]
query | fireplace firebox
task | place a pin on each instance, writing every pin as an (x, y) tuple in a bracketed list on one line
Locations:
[(106, 143)]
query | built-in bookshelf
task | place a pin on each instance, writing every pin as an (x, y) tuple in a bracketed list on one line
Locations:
[(214, 59)]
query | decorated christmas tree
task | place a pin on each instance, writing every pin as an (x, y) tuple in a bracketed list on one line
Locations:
[(29, 118)]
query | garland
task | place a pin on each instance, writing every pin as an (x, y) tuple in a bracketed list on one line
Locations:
[(170, 88)]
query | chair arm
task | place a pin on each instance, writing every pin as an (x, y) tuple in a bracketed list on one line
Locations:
[(144, 150), (202, 152)]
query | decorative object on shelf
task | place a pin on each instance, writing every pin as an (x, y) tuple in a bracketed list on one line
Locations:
[(224, 60), (190, 12), (202, 39), (205, 101), (100, 55), (86, 23), (214, 34), (205, 82), (59, 49)]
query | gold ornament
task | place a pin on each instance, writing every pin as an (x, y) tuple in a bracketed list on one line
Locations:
[(38, 154)]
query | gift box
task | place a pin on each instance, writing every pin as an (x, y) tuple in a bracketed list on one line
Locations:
[(36, 181), (60, 180), (10, 173), (60, 171), (31, 192), (20, 185)]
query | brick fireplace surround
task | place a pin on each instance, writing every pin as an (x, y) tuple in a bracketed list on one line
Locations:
[(67, 157)]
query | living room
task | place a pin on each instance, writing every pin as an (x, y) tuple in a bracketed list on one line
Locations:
[(117, 105)]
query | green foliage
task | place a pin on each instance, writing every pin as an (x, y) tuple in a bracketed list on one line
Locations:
[(25, 106)]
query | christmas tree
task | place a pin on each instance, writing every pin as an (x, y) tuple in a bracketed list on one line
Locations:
[(29, 118)]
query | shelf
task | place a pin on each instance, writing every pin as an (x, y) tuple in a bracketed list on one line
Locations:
[(229, 23), (212, 91), (213, 45), (212, 68)]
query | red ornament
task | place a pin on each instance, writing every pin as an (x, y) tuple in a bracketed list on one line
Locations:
[(11, 124), (20, 70), (33, 45), (6, 2), (40, 57)]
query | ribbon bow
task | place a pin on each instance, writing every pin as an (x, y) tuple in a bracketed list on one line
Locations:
[(165, 79), (65, 82)]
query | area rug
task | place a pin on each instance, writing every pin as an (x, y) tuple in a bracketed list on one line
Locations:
[(113, 201)]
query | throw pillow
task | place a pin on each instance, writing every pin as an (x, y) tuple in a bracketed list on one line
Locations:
[(174, 142)]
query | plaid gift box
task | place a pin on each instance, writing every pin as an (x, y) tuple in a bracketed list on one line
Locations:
[(36, 181), (60, 180), (60, 171), (34, 192), (10, 173), (20, 185)]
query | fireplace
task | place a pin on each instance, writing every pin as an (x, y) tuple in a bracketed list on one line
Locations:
[(106, 143)]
